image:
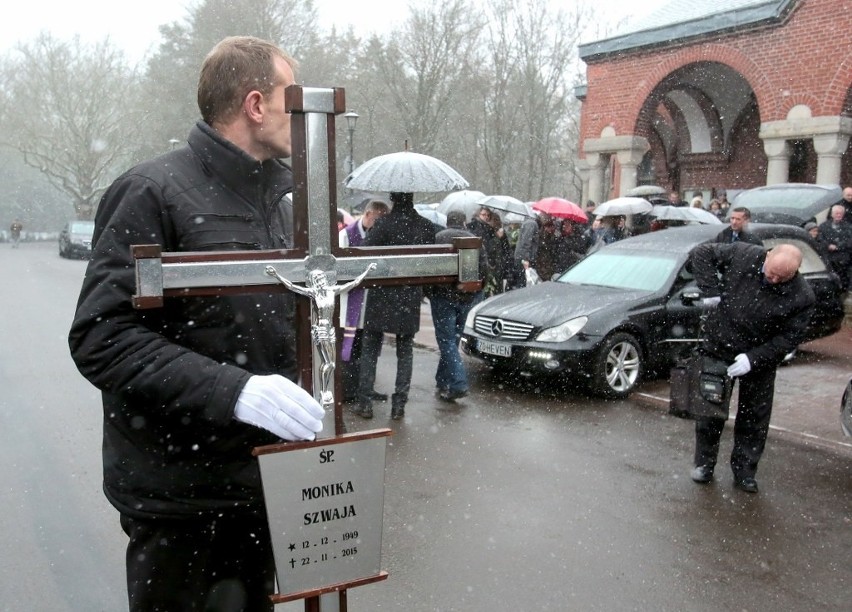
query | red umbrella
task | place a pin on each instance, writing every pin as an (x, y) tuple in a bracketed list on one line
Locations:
[(559, 207)]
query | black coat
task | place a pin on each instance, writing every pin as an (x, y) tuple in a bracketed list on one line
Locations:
[(170, 377), (396, 309), (762, 320), (726, 236), (840, 236), (450, 292)]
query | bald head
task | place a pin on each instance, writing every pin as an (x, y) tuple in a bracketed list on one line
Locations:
[(782, 263)]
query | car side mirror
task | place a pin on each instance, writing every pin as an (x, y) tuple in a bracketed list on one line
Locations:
[(690, 296)]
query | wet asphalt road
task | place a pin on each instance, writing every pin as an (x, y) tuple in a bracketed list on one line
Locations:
[(516, 498)]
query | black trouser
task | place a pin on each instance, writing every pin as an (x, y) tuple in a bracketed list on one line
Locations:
[(371, 347), (222, 565), (350, 370), (754, 408)]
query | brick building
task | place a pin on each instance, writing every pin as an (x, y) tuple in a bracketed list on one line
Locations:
[(733, 94)]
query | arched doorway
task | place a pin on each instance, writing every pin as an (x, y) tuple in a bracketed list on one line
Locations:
[(702, 122)]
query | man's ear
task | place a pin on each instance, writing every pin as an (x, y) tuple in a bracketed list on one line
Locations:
[(253, 106)]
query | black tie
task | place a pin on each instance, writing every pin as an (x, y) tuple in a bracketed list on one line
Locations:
[(734, 237)]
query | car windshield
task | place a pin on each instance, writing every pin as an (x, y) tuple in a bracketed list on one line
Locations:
[(83, 227), (623, 269), (790, 198)]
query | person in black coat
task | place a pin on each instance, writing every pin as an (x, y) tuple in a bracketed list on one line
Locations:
[(759, 310), (835, 239), (191, 388), (737, 231), (392, 309), (481, 225)]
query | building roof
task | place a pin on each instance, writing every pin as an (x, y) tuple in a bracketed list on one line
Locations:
[(684, 19)]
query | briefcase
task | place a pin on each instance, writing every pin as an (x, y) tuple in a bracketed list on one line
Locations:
[(700, 388)]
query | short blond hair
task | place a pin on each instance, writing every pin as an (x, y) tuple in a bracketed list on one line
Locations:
[(233, 68)]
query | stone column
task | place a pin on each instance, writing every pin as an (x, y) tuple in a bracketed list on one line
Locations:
[(778, 154), (597, 163), (629, 160), (830, 149), (582, 168)]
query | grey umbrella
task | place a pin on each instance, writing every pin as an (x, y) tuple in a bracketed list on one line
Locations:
[(645, 190), (465, 201), (430, 213), (684, 213), (623, 206), (506, 204), (405, 172)]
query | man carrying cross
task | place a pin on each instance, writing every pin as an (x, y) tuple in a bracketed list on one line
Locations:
[(189, 389)]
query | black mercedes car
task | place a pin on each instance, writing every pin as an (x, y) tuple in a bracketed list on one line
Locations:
[(626, 311)]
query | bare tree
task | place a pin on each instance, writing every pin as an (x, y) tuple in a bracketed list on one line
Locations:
[(67, 107), (527, 101), (172, 72), (425, 66)]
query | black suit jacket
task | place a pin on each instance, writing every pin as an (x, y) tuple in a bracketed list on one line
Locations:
[(726, 236)]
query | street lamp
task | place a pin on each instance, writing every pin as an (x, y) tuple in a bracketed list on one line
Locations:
[(351, 120)]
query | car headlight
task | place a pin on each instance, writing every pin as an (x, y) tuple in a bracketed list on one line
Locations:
[(468, 322), (562, 332)]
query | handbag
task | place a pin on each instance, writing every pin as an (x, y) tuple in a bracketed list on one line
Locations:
[(700, 388), (532, 277)]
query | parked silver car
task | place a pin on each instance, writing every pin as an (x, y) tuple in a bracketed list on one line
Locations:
[(75, 239)]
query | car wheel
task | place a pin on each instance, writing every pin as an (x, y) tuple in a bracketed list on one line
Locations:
[(617, 367)]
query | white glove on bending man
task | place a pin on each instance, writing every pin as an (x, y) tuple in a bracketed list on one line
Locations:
[(711, 302), (281, 406), (740, 367)]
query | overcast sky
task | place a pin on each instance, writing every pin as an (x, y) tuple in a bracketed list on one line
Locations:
[(133, 25)]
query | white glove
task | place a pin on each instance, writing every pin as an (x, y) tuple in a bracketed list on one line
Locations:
[(711, 302), (281, 406), (740, 367)]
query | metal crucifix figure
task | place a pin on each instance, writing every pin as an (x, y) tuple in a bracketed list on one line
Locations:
[(322, 297)]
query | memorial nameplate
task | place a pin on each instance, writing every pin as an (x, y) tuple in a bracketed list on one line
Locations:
[(324, 502)]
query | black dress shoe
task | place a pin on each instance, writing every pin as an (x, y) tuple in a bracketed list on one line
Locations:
[(362, 411), (702, 474), (397, 412), (379, 397), (747, 484)]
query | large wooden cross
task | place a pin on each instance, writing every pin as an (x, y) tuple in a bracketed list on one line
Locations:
[(315, 250)]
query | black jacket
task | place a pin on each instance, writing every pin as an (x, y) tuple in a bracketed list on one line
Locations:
[(762, 320), (170, 377), (396, 309), (840, 236), (726, 237)]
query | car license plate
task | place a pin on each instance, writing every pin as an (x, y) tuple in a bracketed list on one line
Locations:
[(495, 348)]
